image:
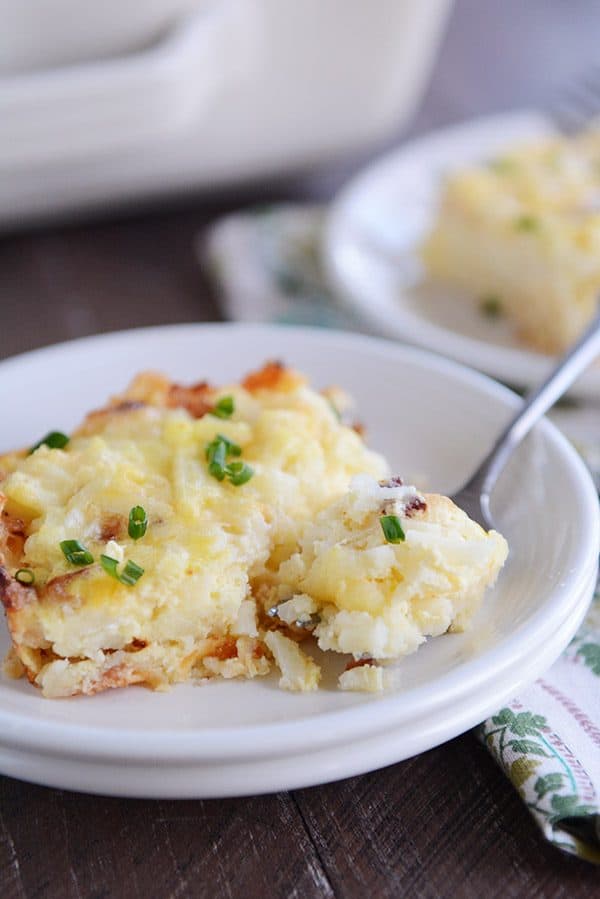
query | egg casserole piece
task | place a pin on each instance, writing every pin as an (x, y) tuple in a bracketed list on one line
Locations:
[(182, 533), (521, 236)]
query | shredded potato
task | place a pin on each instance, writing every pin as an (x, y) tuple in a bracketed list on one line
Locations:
[(258, 535)]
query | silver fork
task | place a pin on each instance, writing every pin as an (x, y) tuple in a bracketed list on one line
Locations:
[(474, 496), (577, 105)]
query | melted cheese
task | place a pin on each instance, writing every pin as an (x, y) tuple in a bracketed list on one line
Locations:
[(234, 577), (206, 541)]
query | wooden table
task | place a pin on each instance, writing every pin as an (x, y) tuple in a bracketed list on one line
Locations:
[(443, 824)]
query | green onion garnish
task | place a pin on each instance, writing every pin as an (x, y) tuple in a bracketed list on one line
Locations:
[(238, 473), (392, 529), (138, 522), (224, 408), (55, 440), (214, 448), (216, 455), (76, 553), (526, 223), (491, 306), (129, 576), (217, 452), (25, 576), (502, 164), (232, 448)]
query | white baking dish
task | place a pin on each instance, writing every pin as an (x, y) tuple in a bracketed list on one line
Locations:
[(234, 90), (38, 34)]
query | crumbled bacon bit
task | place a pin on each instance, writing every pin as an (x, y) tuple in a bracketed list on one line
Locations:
[(273, 376), (394, 481), (12, 535), (359, 663), (15, 544), (9, 524), (57, 587), (14, 595), (111, 527), (226, 649), (195, 398), (415, 505), (13, 524), (266, 378)]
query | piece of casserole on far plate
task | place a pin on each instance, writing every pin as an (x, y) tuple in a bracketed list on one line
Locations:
[(520, 234)]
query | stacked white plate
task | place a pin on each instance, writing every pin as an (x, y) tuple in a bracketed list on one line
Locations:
[(434, 420)]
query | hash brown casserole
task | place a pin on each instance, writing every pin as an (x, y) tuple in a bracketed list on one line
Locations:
[(521, 234), (191, 532)]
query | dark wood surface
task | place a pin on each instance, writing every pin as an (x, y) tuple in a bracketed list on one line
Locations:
[(445, 823)]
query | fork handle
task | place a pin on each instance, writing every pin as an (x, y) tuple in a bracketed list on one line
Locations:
[(536, 403)]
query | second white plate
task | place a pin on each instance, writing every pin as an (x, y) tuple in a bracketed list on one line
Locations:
[(372, 234)]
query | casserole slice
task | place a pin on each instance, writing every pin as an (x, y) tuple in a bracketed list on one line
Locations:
[(183, 533)]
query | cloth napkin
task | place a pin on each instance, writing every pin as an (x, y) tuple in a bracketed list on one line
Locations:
[(267, 268)]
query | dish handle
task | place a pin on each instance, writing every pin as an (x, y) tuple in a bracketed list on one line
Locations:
[(99, 107)]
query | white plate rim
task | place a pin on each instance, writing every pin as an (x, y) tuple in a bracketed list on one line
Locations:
[(513, 364), (267, 774), (224, 743)]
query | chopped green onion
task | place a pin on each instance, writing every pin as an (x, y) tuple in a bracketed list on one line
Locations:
[(216, 455), (131, 573), (502, 164), (229, 447), (217, 471), (138, 522), (233, 449), (392, 529), (25, 576), (55, 440), (238, 473), (224, 408), (110, 565), (526, 223), (129, 576), (76, 553), (491, 306)]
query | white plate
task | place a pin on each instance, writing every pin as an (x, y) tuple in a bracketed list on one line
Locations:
[(432, 418), (375, 226)]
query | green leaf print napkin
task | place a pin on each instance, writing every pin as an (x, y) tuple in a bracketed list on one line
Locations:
[(548, 743), (266, 265)]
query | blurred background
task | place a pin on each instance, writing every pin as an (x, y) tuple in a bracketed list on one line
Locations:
[(127, 128)]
